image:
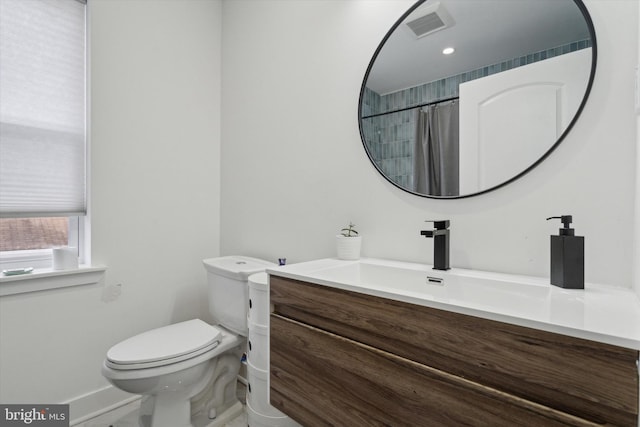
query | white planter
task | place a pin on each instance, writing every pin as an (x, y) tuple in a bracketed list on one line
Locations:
[(348, 248)]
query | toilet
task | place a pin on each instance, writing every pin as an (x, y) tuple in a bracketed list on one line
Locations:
[(187, 371)]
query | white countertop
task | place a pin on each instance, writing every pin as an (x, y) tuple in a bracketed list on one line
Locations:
[(600, 313)]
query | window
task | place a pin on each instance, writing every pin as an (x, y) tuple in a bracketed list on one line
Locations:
[(42, 128), (23, 234)]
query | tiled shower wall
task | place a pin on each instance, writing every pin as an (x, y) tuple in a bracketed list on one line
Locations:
[(390, 137)]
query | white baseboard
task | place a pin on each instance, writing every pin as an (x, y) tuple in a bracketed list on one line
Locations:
[(98, 402)]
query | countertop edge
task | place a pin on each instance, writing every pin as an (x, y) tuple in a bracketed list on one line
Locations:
[(586, 333)]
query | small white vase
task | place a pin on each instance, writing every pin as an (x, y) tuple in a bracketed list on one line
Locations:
[(348, 248)]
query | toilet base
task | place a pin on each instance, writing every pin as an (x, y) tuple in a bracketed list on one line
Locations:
[(200, 420), (224, 418)]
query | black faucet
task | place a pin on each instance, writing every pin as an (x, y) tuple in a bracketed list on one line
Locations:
[(440, 243)]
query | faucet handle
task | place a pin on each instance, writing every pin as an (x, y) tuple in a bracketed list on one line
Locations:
[(440, 224)]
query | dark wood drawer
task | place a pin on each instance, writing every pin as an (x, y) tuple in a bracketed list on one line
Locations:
[(321, 379), (589, 380)]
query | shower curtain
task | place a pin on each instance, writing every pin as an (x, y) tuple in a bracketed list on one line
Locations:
[(436, 150)]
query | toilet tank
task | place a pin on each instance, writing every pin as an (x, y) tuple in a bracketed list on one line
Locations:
[(228, 289)]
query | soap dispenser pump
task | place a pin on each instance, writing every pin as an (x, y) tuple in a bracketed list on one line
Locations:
[(567, 256)]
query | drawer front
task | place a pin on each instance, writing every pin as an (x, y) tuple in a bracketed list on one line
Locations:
[(321, 379), (589, 380)]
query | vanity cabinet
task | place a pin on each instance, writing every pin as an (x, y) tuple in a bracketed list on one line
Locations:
[(345, 358)]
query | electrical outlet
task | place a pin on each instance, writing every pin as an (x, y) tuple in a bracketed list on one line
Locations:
[(111, 292)]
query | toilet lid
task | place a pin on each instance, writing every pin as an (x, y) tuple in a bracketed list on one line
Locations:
[(164, 345)]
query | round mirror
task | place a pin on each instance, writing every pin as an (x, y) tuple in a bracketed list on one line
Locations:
[(463, 97)]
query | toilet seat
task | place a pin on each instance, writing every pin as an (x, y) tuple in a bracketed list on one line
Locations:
[(164, 346)]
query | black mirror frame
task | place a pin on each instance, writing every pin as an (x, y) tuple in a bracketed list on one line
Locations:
[(594, 51)]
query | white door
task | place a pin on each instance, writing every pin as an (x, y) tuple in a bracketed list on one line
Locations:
[(510, 119)]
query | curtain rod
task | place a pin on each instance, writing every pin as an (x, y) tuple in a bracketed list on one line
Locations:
[(453, 98)]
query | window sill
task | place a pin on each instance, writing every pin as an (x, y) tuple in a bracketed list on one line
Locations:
[(43, 279)]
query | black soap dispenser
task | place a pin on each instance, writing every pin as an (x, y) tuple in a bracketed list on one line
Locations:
[(567, 256)]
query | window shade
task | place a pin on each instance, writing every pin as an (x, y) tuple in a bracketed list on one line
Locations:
[(42, 108)]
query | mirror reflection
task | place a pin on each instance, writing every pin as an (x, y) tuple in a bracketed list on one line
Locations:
[(464, 96)]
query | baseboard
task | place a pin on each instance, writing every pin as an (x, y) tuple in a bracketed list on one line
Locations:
[(98, 402)]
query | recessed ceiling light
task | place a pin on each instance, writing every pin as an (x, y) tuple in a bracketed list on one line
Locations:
[(448, 51)]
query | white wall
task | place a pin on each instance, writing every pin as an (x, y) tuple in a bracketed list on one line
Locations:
[(295, 172), (636, 252), (155, 199)]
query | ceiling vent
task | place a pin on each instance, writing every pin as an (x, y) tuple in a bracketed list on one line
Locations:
[(429, 20)]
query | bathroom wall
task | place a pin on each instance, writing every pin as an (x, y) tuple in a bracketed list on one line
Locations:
[(155, 193), (295, 172), (636, 252)]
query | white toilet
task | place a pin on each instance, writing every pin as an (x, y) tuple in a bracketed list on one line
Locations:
[(188, 371)]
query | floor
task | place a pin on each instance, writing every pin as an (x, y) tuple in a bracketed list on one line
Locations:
[(126, 416)]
